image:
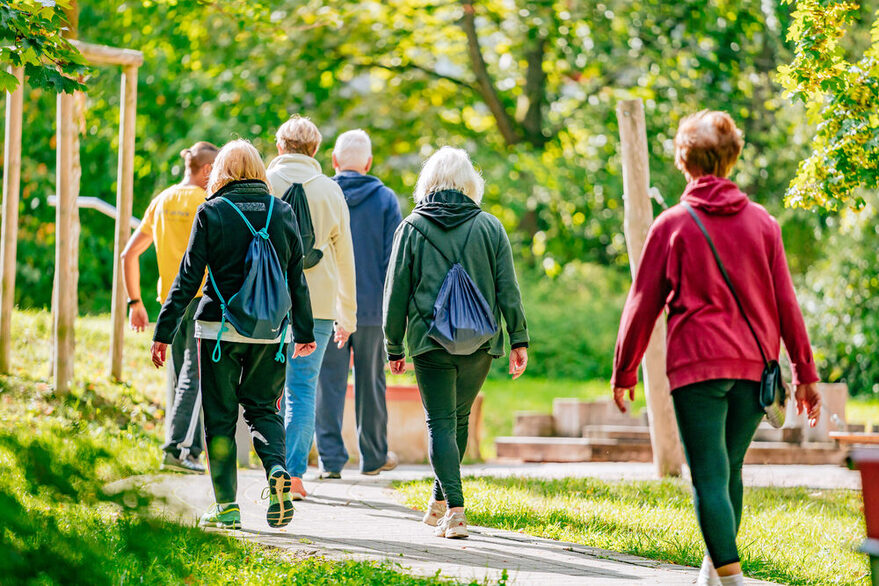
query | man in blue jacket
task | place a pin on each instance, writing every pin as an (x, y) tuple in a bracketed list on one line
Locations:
[(375, 215)]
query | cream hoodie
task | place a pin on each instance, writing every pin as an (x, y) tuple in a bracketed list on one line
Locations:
[(331, 282)]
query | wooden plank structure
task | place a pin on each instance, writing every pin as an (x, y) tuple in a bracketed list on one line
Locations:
[(66, 226), (667, 451)]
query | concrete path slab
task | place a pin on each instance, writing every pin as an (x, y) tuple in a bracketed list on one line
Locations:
[(359, 517)]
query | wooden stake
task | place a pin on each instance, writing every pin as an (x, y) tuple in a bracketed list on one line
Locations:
[(65, 316), (9, 229), (667, 452), (124, 197)]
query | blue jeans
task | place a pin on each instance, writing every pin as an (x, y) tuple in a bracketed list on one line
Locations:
[(299, 393)]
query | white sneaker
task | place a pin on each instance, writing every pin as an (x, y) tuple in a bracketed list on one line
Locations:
[(435, 512), (707, 574), (452, 526)]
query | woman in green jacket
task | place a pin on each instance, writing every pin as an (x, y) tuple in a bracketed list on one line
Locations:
[(447, 213)]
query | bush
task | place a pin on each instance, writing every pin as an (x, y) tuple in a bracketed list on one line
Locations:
[(573, 320), (840, 299)]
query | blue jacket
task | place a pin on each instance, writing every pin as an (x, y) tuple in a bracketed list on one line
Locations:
[(375, 215)]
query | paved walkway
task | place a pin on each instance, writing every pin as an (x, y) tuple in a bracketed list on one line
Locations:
[(359, 517)]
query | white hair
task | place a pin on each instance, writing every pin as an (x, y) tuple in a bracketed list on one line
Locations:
[(353, 149), (449, 168)]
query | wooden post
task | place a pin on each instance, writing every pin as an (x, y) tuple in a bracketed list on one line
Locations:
[(9, 230), (65, 317), (124, 197), (667, 452)]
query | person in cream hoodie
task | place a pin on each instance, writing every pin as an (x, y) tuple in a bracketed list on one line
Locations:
[(331, 282)]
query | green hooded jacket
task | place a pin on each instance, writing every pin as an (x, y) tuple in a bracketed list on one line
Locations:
[(417, 270)]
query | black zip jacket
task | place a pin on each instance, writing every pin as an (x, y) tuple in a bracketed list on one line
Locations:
[(220, 239)]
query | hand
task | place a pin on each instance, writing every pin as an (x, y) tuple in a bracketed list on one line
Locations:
[(518, 361), (397, 366), (809, 400), (340, 337), (138, 318), (159, 351), (304, 349), (619, 397)]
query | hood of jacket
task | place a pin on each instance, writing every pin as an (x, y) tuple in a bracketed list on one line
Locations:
[(241, 187), (294, 168), (358, 187), (447, 208), (714, 195)]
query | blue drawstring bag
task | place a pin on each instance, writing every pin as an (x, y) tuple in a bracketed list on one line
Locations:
[(261, 307), (462, 319)]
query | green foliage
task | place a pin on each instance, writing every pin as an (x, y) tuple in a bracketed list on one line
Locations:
[(31, 37), (841, 96), (788, 535), (841, 300)]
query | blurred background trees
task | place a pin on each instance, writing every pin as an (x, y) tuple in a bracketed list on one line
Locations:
[(529, 87)]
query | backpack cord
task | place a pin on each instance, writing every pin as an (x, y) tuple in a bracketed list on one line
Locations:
[(280, 355)]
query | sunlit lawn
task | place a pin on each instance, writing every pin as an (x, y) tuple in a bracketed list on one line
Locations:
[(56, 454), (792, 536)]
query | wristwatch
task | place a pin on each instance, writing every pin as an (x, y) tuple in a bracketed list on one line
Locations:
[(132, 302)]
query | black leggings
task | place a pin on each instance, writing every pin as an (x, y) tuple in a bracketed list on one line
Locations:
[(717, 420), (449, 385)]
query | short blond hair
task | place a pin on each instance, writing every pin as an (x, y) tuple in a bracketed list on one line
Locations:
[(449, 168), (353, 149), (707, 143), (237, 160), (298, 135)]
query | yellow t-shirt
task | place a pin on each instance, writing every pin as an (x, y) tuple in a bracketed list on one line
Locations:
[(168, 219)]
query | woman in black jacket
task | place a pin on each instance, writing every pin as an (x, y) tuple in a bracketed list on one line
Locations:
[(448, 226), (236, 369)]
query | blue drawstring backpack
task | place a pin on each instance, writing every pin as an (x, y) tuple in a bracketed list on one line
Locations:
[(261, 307), (462, 319)]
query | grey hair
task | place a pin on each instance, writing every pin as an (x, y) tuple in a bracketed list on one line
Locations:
[(449, 168), (353, 149)]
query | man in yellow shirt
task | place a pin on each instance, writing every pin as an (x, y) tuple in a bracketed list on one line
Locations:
[(167, 222)]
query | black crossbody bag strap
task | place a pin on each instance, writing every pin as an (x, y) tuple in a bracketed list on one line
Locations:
[(726, 278)]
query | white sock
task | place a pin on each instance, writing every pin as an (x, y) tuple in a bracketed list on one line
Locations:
[(734, 580), (707, 574)]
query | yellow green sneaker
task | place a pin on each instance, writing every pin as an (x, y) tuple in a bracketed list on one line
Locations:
[(280, 511), (222, 516)]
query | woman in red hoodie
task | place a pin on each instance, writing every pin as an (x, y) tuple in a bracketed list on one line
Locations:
[(713, 362)]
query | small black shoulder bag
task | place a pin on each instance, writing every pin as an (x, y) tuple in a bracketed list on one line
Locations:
[(773, 391)]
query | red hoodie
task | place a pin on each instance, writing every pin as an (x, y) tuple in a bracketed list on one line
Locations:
[(707, 335)]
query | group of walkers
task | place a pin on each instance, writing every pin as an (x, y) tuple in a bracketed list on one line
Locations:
[(237, 242), (725, 320)]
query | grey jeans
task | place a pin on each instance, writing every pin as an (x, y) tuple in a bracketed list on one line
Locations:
[(370, 407), (183, 427)]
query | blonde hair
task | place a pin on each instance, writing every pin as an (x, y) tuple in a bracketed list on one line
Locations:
[(298, 135), (237, 160), (449, 168), (707, 143), (353, 149)]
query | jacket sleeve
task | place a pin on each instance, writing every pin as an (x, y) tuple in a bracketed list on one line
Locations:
[(392, 219), (507, 293), (346, 300), (398, 289), (644, 304), (301, 318), (793, 328), (189, 279)]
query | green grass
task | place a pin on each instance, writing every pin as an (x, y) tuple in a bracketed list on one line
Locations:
[(792, 536), (863, 409), (58, 451)]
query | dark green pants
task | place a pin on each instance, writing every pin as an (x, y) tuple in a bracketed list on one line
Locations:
[(717, 420), (449, 385), (246, 374)]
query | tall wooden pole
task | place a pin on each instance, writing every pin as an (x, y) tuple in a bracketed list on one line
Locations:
[(65, 315), (667, 453), (9, 229), (124, 197)]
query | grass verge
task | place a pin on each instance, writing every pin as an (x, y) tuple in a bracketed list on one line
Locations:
[(58, 451), (791, 535)]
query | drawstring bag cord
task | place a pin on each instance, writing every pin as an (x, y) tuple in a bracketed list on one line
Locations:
[(281, 356), (217, 354)]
